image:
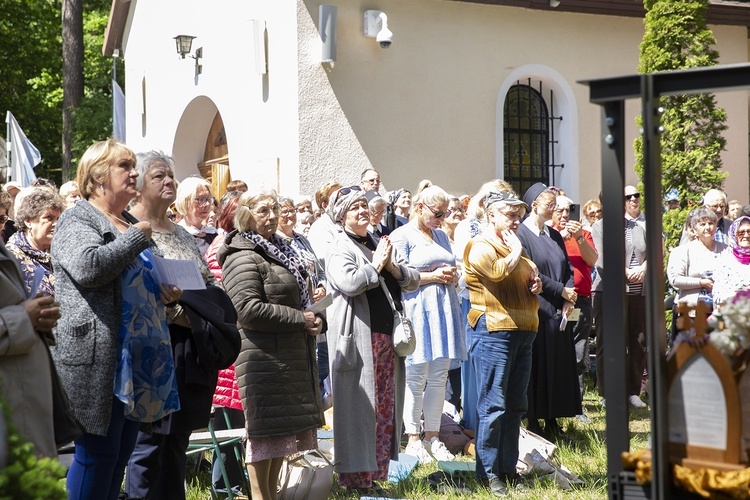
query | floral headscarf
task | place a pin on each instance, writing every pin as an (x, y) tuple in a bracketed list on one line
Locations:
[(742, 254), (345, 198)]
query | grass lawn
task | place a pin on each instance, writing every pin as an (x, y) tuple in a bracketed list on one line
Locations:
[(581, 449)]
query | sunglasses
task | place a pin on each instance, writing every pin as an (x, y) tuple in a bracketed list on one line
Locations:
[(345, 191), (634, 196), (439, 214)]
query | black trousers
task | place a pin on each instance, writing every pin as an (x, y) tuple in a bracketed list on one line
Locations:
[(156, 470)]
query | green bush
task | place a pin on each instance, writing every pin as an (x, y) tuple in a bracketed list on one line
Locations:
[(26, 475)]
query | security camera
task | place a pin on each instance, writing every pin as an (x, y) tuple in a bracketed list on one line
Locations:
[(384, 38), (376, 26)]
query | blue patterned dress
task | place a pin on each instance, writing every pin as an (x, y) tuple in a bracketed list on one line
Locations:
[(434, 309), (144, 379)]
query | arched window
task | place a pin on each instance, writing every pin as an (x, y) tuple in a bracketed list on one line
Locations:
[(528, 138)]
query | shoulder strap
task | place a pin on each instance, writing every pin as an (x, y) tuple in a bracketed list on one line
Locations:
[(387, 294)]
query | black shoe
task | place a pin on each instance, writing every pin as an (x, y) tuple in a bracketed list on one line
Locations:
[(552, 428), (533, 426), (498, 487)]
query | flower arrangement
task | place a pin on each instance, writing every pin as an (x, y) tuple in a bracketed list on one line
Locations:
[(731, 334)]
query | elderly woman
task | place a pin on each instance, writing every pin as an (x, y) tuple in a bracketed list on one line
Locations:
[(503, 321), (399, 207), (36, 219), (25, 367), (113, 317), (156, 468), (224, 226), (592, 212), (456, 214), (194, 202), (285, 230), (271, 289), (691, 266), (732, 272), (70, 192), (367, 375), (553, 388), (435, 311)]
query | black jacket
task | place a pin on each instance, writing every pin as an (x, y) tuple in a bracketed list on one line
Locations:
[(211, 343)]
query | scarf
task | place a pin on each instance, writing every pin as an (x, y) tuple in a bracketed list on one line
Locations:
[(287, 255), (742, 254)]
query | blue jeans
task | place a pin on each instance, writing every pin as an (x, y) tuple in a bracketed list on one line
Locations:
[(99, 461), (502, 365), (468, 380)]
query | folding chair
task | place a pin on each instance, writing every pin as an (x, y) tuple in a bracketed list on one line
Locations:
[(213, 441)]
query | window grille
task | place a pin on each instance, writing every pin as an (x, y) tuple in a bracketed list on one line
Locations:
[(529, 137)]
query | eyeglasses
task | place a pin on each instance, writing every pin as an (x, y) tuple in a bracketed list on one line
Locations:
[(551, 205), (717, 206), (376, 180), (634, 196), (439, 214), (202, 202), (562, 210), (287, 212), (594, 212), (265, 211), (377, 212), (743, 233)]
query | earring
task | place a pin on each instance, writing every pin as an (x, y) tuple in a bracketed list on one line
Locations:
[(101, 187)]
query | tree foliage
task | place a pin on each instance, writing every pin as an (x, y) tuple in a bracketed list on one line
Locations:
[(31, 83), (677, 37)]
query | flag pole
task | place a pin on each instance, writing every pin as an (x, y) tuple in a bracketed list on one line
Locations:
[(8, 145), (115, 55)]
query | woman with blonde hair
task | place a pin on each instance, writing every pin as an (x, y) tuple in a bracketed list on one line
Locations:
[(194, 202), (435, 311), (467, 229)]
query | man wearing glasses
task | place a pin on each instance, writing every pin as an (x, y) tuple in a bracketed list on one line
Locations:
[(370, 180), (716, 200)]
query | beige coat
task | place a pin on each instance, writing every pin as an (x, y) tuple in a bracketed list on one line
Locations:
[(26, 383)]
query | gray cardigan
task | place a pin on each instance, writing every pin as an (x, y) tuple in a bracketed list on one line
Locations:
[(88, 256), (350, 275)]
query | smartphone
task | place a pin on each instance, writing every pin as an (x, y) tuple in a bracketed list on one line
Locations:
[(575, 212)]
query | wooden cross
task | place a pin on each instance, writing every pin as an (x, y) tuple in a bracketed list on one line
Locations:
[(697, 322)]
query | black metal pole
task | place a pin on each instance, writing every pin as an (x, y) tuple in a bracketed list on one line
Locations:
[(613, 306)]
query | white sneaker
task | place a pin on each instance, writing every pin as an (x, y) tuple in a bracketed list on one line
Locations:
[(438, 450), (636, 402), (417, 449)]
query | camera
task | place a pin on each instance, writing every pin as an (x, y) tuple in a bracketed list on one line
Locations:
[(376, 26), (384, 38)]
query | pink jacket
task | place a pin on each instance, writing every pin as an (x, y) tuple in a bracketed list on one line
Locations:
[(210, 255), (227, 392)]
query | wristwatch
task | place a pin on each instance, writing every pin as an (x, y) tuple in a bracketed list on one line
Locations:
[(580, 240)]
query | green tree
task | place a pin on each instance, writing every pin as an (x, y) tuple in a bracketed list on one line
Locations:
[(677, 37), (31, 83)]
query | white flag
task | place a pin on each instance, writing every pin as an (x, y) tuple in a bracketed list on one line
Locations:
[(118, 112), (24, 156)]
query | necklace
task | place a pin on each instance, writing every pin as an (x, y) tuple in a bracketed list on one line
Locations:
[(126, 223)]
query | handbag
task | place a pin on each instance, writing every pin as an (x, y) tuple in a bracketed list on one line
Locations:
[(404, 340), (308, 476)]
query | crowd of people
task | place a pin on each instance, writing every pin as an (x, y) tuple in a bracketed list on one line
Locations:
[(503, 289)]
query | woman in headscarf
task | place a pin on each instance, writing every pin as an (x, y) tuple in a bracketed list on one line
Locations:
[(732, 272), (553, 388), (367, 375)]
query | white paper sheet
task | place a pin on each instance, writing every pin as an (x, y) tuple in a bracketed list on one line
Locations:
[(184, 274)]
